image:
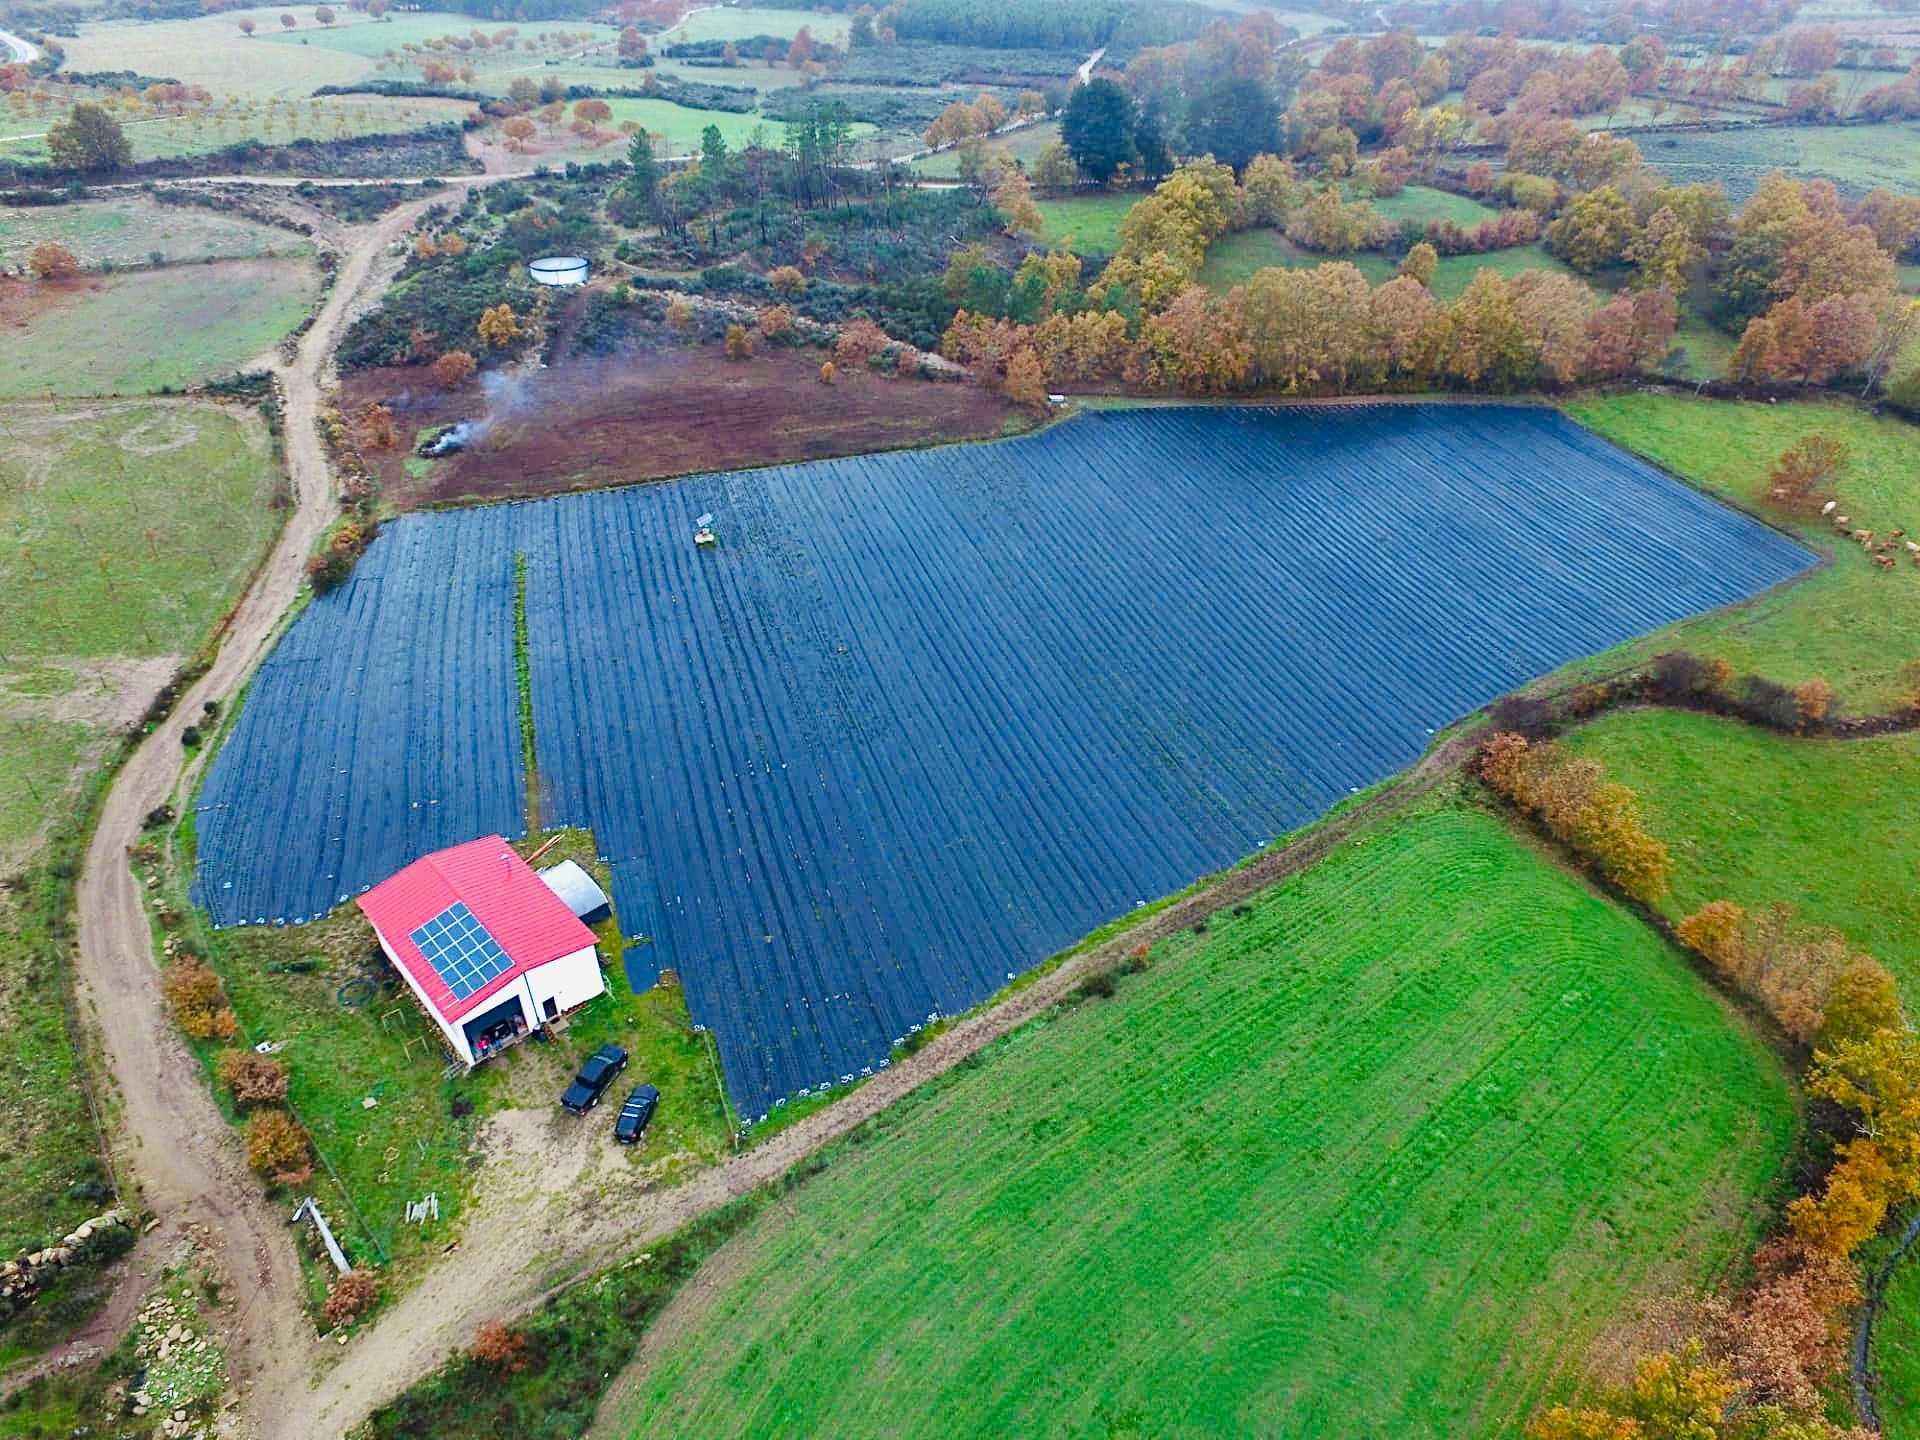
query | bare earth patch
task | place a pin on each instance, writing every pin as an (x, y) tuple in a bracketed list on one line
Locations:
[(590, 424)]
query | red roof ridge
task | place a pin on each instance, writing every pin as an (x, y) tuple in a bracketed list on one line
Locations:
[(529, 923)]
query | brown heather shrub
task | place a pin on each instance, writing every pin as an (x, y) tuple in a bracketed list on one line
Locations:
[(501, 1348), (1812, 699), (199, 1001), (860, 340), (253, 1079), (277, 1147), (350, 1296), (1503, 764), (1785, 1336)]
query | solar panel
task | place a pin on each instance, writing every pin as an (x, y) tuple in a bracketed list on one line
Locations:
[(460, 950)]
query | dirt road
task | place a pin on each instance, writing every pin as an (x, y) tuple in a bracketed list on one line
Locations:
[(182, 1156), (21, 52)]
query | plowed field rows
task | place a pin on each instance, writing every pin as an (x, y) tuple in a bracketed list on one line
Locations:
[(924, 718), (1379, 1157)]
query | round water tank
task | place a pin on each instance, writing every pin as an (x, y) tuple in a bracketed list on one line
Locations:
[(559, 270)]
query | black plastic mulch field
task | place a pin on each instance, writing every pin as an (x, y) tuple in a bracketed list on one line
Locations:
[(922, 719)]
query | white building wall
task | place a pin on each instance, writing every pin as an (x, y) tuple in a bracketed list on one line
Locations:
[(569, 981), (456, 1037)]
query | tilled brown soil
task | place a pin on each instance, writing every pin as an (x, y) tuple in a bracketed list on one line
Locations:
[(589, 424)]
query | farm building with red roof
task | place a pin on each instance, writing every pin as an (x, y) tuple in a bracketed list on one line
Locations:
[(485, 944)]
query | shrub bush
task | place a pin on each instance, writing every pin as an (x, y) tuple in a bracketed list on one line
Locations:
[(499, 1347), (199, 1001), (252, 1078), (350, 1296), (277, 1147)]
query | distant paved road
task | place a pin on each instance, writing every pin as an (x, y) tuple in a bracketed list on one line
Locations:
[(18, 49)]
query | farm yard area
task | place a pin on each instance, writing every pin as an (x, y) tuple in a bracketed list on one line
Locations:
[(806, 938)]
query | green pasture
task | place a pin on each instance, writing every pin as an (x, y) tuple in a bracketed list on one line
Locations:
[(1084, 224), (148, 330), (1857, 158), (1381, 1153), (355, 34), (1023, 145), (130, 230), (197, 130), (126, 529), (1423, 203), (1235, 259), (127, 526), (1853, 623), (733, 22), (1757, 817)]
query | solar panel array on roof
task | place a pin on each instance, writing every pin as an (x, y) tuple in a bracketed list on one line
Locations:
[(460, 950)]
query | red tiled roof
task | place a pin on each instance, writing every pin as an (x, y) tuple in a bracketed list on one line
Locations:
[(526, 919)]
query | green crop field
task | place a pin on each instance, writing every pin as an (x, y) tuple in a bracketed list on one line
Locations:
[(1085, 224), (1381, 1155), (132, 333), (129, 527), (1235, 259), (128, 230), (1758, 817), (1850, 622)]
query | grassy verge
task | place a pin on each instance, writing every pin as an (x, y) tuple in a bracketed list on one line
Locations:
[(573, 1345)]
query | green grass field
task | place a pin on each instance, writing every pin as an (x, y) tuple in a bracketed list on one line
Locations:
[(1084, 224), (1380, 1156), (132, 333), (1896, 1352), (79, 484), (129, 525), (1855, 157), (1851, 622), (212, 50), (1422, 203), (729, 22), (197, 131), (127, 230), (1758, 817), (1237, 258), (1022, 145)]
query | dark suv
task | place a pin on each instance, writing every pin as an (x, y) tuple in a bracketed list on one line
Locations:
[(594, 1078), (635, 1114)]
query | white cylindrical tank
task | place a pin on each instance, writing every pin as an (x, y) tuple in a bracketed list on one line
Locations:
[(559, 270)]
